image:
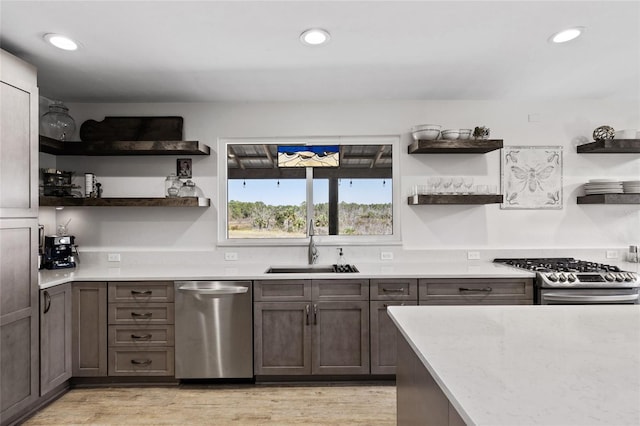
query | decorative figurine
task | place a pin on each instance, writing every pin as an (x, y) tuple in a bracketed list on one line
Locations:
[(481, 132)]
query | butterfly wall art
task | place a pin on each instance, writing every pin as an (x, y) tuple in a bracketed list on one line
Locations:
[(532, 177)]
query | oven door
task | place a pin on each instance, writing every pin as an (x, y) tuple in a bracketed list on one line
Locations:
[(578, 296)]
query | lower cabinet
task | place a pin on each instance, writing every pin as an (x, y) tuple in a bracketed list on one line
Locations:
[(55, 337), (327, 333), (89, 329), (476, 291), (384, 337), (141, 329), (123, 329)]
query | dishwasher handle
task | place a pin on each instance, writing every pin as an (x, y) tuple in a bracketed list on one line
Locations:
[(211, 288), (215, 291)]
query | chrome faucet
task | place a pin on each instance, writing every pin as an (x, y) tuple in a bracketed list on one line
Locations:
[(313, 250)]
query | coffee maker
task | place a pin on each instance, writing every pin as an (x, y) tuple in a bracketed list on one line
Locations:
[(58, 252)]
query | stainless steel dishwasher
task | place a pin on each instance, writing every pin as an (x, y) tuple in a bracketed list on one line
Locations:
[(214, 334)]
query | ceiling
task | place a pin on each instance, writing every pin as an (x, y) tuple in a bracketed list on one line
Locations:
[(201, 51)]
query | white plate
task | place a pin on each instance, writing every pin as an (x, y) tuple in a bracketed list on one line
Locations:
[(604, 191), (603, 180), (631, 182), (632, 191)]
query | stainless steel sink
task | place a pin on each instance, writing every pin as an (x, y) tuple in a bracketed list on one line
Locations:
[(312, 269)]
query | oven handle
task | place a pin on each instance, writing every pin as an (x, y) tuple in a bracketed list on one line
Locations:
[(555, 297)]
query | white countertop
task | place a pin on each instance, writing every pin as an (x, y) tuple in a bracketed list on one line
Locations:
[(531, 365), (248, 271)]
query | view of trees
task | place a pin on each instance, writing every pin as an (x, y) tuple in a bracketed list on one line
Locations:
[(259, 220)]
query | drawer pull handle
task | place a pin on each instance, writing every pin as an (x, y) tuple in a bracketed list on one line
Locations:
[(306, 308), (145, 315), (141, 293), (141, 361), (393, 290), (483, 290), (47, 302), (141, 337), (315, 314)]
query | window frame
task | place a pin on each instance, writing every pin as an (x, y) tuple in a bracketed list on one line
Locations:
[(328, 240)]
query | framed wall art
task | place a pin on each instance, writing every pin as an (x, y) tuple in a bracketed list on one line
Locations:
[(183, 168), (532, 177)]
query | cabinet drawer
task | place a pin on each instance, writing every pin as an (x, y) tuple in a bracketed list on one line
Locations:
[(282, 290), (394, 289), (133, 335), (340, 289), (137, 362), (141, 292), (471, 291), (151, 313)]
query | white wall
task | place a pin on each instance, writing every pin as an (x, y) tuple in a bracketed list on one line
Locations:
[(423, 227)]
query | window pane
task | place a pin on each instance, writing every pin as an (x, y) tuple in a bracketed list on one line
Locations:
[(365, 207), (266, 208), (321, 206)]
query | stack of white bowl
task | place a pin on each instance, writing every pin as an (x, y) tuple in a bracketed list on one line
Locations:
[(432, 132), (631, 186), (603, 186)]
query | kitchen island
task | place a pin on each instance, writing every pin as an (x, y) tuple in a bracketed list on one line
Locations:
[(524, 365)]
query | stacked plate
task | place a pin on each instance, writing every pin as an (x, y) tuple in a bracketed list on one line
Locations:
[(631, 186), (603, 186)]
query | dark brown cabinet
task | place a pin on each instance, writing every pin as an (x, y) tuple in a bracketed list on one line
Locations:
[(89, 329), (384, 334), (304, 327), (55, 337)]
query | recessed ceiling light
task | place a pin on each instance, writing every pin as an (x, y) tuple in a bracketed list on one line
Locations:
[(566, 35), (61, 42), (315, 36)]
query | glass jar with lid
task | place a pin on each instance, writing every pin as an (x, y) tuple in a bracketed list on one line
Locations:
[(189, 189), (57, 123), (172, 185)]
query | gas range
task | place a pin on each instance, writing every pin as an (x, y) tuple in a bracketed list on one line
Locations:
[(567, 272)]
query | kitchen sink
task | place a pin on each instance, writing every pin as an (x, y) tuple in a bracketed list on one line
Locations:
[(312, 269)]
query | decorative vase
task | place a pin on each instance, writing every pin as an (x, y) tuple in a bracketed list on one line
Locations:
[(57, 123), (603, 133)]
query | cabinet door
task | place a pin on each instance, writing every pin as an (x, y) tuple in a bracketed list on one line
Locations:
[(89, 329), (384, 336), (55, 337), (340, 337), (19, 353), (282, 341), (18, 138)]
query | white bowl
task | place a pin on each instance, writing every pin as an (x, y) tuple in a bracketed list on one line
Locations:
[(426, 127), (465, 133), (450, 134), (427, 134)]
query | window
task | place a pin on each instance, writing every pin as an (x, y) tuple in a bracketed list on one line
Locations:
[(267, 203)]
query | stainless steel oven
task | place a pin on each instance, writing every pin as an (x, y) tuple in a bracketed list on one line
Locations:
[(567, 281)]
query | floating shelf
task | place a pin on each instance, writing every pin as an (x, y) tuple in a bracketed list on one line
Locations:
[(609, 199), (113, 148), (459, 146), (124, 202), (611, 146), (417, 200)]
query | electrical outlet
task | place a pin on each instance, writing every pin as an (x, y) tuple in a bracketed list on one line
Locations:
[(231, 255), (612, 254), (386, 255), (113, 257), (473, 255)]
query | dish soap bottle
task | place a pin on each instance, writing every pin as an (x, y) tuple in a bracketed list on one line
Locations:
[(341, 265)]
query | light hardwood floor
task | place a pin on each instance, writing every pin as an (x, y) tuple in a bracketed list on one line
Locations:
[(222, 405)]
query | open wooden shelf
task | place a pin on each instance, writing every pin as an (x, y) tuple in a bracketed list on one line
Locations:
[(611, 146), (113, 148), (124, 202), (609, 199), (459, 146), (417, 200)]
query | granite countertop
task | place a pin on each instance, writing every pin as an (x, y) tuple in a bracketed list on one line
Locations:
[(249, 271), (531, 365)]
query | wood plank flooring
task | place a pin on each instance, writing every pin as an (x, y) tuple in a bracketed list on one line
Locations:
[(222, 405)]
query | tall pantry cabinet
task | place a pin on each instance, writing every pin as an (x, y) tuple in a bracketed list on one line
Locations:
[(19, 312)]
